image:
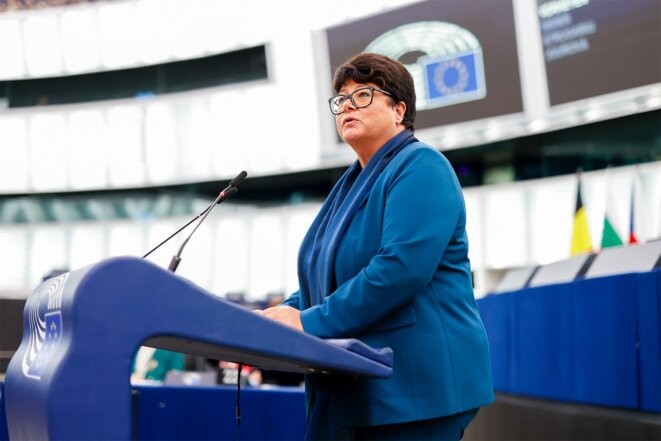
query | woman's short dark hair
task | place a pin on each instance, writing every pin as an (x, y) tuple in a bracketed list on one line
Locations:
[(388, 74)]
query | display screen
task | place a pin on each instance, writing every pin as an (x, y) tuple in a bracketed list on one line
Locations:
[(462, 56), (595, 47)]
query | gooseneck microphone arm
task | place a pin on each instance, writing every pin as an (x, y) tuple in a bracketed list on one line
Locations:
[(177, 232), (225, 194), (233, 183)]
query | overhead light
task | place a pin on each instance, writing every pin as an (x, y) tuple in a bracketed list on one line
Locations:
[(653, 101), (537, 125)]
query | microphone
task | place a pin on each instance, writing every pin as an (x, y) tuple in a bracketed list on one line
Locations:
[(223, 195), (237, 180), (227, 194)]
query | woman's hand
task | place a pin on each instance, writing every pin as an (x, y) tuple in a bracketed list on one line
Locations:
[(284, 314)]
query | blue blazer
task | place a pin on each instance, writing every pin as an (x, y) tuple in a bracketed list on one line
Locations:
[(404, 281)]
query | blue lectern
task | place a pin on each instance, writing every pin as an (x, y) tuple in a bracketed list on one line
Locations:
[(69, 378)]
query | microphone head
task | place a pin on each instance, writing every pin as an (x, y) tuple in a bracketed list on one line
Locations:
[(226, 194), (238, 179)]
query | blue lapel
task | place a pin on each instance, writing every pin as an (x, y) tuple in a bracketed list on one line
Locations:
[(316, 256)]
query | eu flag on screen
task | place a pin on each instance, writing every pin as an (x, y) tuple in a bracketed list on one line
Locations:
[(455, 79)]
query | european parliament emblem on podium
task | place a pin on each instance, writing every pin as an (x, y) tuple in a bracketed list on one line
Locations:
[(44, 311)]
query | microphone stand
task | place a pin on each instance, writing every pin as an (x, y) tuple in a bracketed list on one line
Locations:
[(226, 192), (174, 263), (177, 232)]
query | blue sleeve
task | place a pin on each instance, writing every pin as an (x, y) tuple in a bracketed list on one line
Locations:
[(422, 210), (293, 301)]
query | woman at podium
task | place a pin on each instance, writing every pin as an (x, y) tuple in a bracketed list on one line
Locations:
[(386, 261)]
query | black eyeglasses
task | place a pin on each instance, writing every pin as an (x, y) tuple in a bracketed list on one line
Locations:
[(359, 98)]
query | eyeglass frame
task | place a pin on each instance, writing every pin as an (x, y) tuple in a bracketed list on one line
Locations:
[(350, 96)]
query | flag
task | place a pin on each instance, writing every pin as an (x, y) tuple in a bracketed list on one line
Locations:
[(633, 235), (454, 79), (636, 218), (609, 236), (580, 238)]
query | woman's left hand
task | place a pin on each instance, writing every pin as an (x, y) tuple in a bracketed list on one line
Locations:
[(284, 314)]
